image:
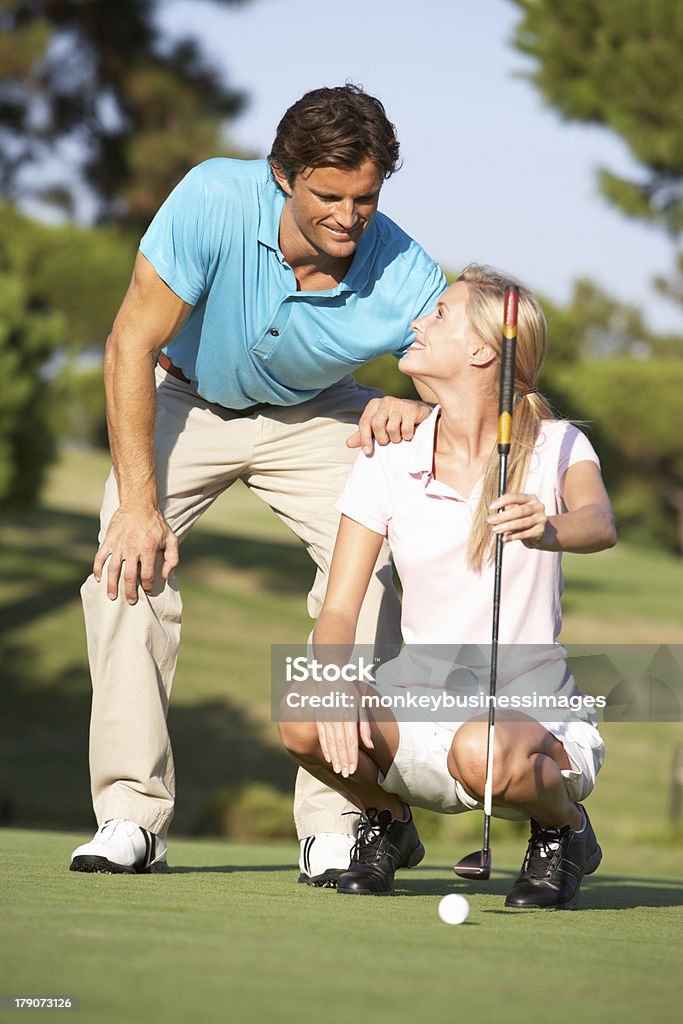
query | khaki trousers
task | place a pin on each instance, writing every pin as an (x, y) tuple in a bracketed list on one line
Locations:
[(296, 460)]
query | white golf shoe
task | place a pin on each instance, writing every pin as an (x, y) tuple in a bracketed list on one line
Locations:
[(121, 847), (324, 857)]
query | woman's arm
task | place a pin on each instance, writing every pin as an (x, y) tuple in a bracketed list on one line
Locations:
[(586, 526), (355, 554)]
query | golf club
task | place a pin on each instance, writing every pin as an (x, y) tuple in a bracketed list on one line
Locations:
[(477, 865)]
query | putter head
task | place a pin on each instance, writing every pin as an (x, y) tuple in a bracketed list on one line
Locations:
[(476, 866)]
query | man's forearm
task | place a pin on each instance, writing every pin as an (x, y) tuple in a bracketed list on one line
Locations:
[(131, 415)]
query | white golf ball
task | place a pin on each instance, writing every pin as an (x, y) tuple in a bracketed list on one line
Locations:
[(454, 909)]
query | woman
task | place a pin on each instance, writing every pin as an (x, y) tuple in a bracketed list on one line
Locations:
[(435, 498)]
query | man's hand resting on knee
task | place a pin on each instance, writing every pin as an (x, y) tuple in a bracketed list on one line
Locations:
[(138, 541)]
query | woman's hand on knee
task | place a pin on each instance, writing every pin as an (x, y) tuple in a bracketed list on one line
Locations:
[(339, 731)]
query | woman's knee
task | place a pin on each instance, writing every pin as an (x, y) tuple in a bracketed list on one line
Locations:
[(300, 739), (468, 759)]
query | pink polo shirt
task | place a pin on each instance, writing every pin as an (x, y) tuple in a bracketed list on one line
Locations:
[(427, 523)]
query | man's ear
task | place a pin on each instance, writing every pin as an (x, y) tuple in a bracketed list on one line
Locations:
[(481, 354), (281, 179)]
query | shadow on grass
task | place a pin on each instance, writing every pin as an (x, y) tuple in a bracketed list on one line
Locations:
[(604, 892), (55, 568), (44, 760), (410, 885), (231, 869), (621, 892), (44, 725)]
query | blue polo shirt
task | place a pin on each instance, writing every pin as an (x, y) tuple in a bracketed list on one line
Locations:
[(251, 336)]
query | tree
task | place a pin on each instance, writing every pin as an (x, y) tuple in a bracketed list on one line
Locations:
[(81, 272), (93, 86), (636, 408), (94, 102), (617, 63), (28, 336)]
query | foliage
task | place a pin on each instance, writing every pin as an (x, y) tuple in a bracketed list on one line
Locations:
[(99, 118), (252, 812), (69, 282), (79, 272), (383, 373), (617, 63), (82, 415), (92, 86), (636, 406), (28, 336)]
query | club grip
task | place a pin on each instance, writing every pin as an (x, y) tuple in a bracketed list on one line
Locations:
[(507, 369)]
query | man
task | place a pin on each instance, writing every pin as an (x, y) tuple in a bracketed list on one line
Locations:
[(258, 288)]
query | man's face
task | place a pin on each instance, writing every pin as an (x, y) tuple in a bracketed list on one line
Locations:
[(329, 208)]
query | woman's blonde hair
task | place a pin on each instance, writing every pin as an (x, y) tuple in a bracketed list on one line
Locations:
[(486, 288)]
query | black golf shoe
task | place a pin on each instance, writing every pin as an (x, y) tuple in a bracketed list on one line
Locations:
[(383, 846), (555, 862)]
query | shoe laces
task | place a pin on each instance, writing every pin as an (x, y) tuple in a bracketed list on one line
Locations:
[(372, 828), (542, 847)]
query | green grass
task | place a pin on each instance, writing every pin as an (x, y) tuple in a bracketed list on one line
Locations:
[(244, 579), (229, 935), (627, 594)]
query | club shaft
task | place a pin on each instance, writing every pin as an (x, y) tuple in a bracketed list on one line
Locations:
[(493, 681), (505, 403)]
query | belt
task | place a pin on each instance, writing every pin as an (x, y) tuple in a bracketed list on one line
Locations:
[(166, 364)]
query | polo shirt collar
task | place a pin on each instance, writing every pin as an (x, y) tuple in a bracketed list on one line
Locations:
[(421, 455), (359, 271), (270, 212), (421, 463)]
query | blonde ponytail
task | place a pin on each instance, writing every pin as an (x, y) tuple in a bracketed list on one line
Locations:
[(486, 288)]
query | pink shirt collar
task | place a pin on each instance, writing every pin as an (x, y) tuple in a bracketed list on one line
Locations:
[(420, 463), (421, 455)]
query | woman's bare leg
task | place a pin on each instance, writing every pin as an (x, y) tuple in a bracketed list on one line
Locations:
[(527, 769)]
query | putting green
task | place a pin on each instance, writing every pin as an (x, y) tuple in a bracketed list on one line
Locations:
[(230, 936)]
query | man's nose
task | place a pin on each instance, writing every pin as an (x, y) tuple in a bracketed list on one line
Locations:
[(346, 214)]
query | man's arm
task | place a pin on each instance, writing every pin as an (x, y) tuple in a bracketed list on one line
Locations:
[(150, 316), (394, 419)]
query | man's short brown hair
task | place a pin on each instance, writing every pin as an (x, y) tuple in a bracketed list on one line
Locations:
[(338, 127)]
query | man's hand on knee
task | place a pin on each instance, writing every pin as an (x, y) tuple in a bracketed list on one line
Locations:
[(138, 542)]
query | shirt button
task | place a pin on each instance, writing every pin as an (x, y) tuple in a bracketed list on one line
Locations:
[(274, 331)]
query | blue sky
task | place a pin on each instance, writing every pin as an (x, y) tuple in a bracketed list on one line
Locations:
[(489, 173)]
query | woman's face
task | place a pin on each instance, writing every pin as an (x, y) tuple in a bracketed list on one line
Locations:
[(441, 348)]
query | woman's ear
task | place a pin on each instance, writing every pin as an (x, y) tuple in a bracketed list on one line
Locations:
[(481, 354)]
